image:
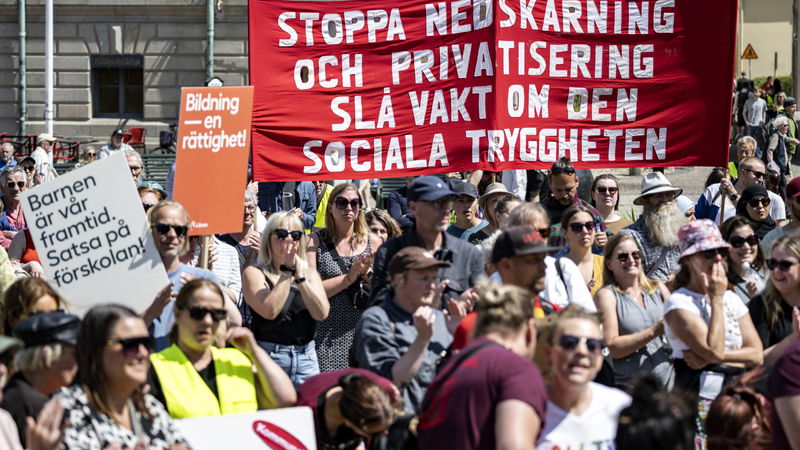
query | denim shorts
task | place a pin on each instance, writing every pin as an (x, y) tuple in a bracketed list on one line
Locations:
[(298, 361)]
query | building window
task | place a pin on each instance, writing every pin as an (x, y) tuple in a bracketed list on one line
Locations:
[(118, 86)]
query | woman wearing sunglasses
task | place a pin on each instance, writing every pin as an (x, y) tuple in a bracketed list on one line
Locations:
[(342, 253), (747, 271), (631, 306), (605, 197), (708, 326), (775, 312), (754, 205), (579, 228), (286, 296), (580, 412), (193, 378), (107, 405)]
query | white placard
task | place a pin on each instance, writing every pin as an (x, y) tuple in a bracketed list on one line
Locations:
[(273, 429), (92, 236)]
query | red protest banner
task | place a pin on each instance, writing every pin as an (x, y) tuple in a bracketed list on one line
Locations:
[(213, 142), (404, 88)]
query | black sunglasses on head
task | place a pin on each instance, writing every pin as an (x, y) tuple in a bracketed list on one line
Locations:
[(199, 313), (283, 234), (130, 346), (342, 203), (164, 228)]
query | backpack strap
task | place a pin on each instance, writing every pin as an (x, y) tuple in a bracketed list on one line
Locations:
[(461, 358)]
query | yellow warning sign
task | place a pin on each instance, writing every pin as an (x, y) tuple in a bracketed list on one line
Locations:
[(749, 53)]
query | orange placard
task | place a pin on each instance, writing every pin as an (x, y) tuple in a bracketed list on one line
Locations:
[(213, 148)]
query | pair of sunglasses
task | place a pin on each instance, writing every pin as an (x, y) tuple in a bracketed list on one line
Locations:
[(739, 241), (757, 173), (164, 228), (623, 257), (759, 201), (565, 171), (19, 184), (576, 227), (544, 232), (130, 346), (607, 190), (569, 342), (283, 234), (199, 313), (781, 265), (342, 203), (710, 254)]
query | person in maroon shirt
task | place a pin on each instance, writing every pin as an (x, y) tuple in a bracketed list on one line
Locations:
[(784, 388), (490, 395), (349, 406)]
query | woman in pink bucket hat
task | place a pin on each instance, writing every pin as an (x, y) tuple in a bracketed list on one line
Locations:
[(712, 336)]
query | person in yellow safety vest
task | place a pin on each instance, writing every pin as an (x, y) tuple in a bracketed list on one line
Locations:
[(192, 378), (323, 193)]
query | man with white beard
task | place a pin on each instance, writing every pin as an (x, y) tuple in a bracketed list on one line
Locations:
[(656, 230)]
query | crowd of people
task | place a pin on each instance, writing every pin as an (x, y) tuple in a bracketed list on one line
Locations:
[(468, 312)]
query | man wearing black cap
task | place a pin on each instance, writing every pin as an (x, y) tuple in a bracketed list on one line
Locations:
[(46, 364), (403, 337), (431, 200), (789, 108), (114, 145), (466, 209)]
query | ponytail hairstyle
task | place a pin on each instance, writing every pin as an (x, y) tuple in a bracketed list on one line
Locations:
[(739, 418), (655, 419), (365, 403), (504, 309)]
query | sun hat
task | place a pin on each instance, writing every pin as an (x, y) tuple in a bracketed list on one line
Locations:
[(655, 183), (698, 236)]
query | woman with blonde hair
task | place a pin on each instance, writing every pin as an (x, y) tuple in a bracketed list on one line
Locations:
[(632, 309), (342, 253), (286, 296), (775, 312)]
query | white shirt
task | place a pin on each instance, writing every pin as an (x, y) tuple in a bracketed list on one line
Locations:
[(516, 181), (754, 108), (777, 208), (555, 291), (700, 304), (44, 164), (595, 429), (107, 150)]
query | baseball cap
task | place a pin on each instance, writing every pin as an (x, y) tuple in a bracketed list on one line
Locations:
[(414, 258), (45, 137), (793, 188), (155, 186), (48, 328), (428, 188), (518, 241), (117, 132), (465, 188)]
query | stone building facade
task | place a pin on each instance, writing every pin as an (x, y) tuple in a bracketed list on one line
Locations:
[(117, 64)]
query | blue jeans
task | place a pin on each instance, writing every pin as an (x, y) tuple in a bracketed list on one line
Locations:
[(298, 361)]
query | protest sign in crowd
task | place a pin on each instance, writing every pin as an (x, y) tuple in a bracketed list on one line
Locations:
[(500, 297)]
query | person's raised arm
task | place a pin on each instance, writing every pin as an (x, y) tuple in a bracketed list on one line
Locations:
[(265, 301), (406, 368), (311, 289)]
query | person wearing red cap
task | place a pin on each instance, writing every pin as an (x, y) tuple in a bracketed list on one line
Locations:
[(793, 201)]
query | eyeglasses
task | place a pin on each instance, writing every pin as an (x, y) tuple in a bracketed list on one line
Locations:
[(607, 190), (756, 173), (565, 171), (135, 168), (576, 227), (283, 234), (623, 257), (130, 346), (739, 241), (758, 201), (342, 203), (28, 168), (442, 203), (569, 342), (544, 232), (164, 228), (783, 266), (91, 154), (711, 254), (199, 313), (19, 184)]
